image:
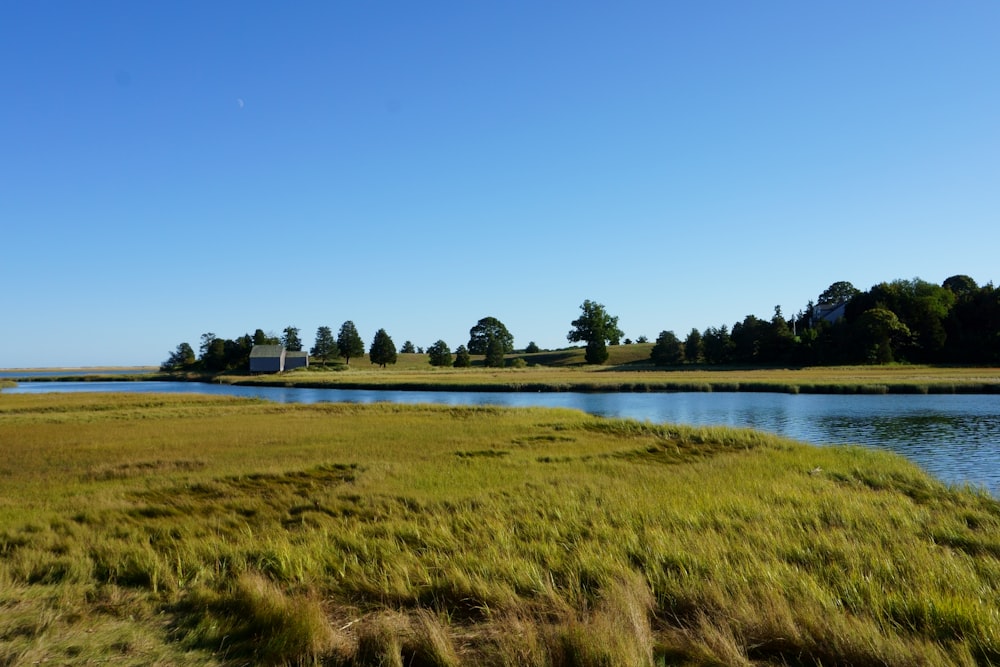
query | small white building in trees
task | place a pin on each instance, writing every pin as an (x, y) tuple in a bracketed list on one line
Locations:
[(275, 359), (828, 312)]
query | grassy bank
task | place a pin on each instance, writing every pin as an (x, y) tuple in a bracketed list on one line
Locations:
[(823, 380), (145, 529), (628, 370)]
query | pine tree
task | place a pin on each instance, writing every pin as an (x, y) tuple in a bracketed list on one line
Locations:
[(462, 357), (439, 354), (349, 343), (494, 353), (325, 346), (383, 350), (290, 339)]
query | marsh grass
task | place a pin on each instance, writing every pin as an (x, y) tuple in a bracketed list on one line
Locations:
[(147, 529), (630, 377)]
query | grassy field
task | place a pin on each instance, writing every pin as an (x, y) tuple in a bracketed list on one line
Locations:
[(630, 370), (152, 529)]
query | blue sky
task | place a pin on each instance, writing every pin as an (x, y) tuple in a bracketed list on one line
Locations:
[(173, 168)]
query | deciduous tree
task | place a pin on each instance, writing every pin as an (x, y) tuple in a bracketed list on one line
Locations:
[(960, 285), (479, 336), (595, 325), (883, 335), (839, 292), (667, 351)]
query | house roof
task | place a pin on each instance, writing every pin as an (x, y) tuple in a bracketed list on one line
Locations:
[(295, 354), (259, 351)]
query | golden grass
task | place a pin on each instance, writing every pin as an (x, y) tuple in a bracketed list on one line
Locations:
[(146, 529), (827, 379)]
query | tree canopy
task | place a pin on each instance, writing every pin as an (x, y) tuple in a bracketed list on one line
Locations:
[(839, 292), (694, 348), (383, 350), (479, 336), (439, 354), (326, 346), (462, 357), (667, 351), (595, 327), (960, 285), (907, 320), (494, 353), (290, 339), (261, 338), (182, 357), (349, 343)]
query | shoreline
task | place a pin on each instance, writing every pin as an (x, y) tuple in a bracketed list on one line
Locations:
[(825, 380)]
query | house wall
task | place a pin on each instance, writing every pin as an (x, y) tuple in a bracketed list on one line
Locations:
[(296, 361), (267, 364)]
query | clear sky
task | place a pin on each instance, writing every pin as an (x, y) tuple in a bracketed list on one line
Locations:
[(173, 168)]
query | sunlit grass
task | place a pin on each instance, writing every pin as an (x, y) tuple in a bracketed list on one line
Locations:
[(632, 376), (205, 530)]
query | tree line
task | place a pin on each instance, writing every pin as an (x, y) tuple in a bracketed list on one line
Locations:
[(912, 321), (902, 320), (489, 338)]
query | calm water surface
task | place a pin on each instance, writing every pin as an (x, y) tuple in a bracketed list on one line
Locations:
[(75, 371), (954, 437)]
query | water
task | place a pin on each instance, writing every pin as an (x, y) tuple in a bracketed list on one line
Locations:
[(954, 437), (74, 372)]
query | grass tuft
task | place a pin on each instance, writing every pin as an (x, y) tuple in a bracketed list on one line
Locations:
[(198, 530)]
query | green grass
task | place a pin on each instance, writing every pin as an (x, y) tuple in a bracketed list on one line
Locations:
[(150, 529), (544, 372)]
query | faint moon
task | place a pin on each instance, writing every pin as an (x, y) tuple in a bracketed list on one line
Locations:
[(240, 103)]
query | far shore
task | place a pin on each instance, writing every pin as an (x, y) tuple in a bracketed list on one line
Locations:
[(901, 379), (81, 369)]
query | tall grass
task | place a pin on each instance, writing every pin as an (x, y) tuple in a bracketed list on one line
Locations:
[(628, 377), (203, 530)]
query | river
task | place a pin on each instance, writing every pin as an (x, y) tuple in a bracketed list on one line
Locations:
[(954, 437)]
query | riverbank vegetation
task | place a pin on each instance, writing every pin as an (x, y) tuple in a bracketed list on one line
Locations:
[(903, 320), (154, 529), (628, 370), (896, 379), (911, 321)]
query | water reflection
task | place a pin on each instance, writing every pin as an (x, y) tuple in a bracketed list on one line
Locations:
[(954, 437)]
